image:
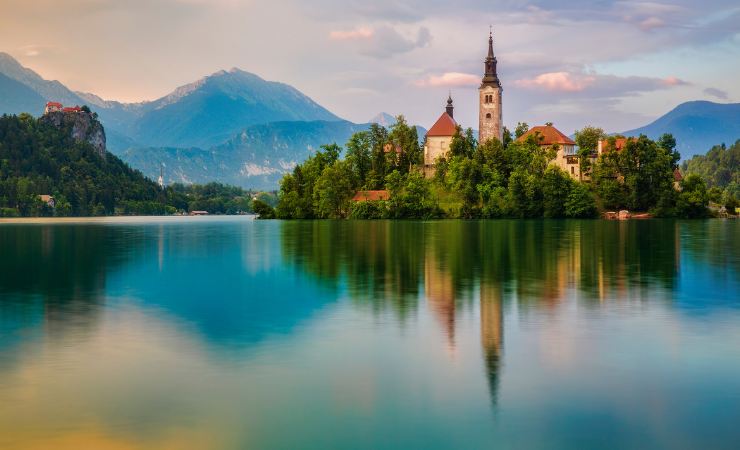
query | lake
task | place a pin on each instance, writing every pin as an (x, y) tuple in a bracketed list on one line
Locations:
[(231, 333)]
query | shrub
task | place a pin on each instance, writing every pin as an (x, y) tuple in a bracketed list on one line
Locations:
[(263, 209)]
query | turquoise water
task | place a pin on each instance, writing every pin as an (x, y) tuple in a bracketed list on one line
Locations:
[(230, 333)]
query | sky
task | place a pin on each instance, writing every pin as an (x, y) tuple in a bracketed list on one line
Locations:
[(617, 65)]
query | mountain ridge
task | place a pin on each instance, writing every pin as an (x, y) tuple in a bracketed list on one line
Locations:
[(696, 125), (203, 113)]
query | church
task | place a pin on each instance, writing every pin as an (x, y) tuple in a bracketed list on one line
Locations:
[(490, 120)]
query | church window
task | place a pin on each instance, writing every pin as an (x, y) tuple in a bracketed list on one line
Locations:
[(572, 170), (488, 116)]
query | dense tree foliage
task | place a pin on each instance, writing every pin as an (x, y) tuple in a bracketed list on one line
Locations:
[(641, 177), (473, 181), (37, 158), (719, 168)]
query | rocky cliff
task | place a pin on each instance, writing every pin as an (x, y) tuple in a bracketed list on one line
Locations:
[(84, 128)]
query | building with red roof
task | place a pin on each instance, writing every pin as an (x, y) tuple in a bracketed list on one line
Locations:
[(566, 157), (618, 145), (53, 107), (677, 178), (440, 135), (391, 146), (362, 196), (76, 109)]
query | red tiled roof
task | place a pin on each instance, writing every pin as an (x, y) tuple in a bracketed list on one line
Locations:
[(619, 144), (53, 104), (370, 195), (389, 147), (75, 109), (551, 134), (677, 175), (445, 126)]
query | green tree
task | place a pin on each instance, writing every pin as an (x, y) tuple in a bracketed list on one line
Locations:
[(334, 190), (507, 137), (359, 157), (694, 198), (587, 141), (462, 143), (263, 209), (521, 130), (580, 203), (556, 187)]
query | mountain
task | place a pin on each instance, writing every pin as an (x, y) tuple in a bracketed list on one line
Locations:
[(697, 126), (200, 114), (383, 119), (255, 158), (16, 98), (209, 111), (50, 90), (115, 116)]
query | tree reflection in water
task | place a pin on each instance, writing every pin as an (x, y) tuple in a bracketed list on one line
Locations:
[(534, 263)]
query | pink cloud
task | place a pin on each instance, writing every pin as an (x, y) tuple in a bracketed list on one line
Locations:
[(362, 33), (649, 24), (449, 79), (673, 81), (557, 82)]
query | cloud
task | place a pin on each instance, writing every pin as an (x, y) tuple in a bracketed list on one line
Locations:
[(649, 24), (717, 93), (42, 50), (673, 81), (449, 79), (362, 33), (594, 85), (384, 42), (557, 82)]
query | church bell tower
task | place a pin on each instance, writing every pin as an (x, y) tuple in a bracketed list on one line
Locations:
[(490, 119)]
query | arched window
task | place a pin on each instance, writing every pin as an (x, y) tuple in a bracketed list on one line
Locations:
[(488, 116)]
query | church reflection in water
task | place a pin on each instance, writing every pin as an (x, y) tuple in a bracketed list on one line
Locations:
[(58, 274), (536, 265)]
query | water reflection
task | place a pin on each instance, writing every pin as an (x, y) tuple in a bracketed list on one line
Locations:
[(223, 333)]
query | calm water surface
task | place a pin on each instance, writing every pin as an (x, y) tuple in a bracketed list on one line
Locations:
[(229, 333)]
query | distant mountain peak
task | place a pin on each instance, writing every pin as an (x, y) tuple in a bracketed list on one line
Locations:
[(696, 125), (383, 119)]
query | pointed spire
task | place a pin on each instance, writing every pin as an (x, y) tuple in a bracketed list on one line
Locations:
[(449, 108), (490, 78), (490, 43)]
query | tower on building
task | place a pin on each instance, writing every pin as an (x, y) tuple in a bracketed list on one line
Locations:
[(490, 119), (440, 135), (160, 182)]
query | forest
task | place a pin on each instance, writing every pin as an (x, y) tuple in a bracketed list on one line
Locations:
[(720, 169), (510, 179), (37, 158)]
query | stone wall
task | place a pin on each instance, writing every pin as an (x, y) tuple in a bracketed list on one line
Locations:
[(493, 126), (435, 147)]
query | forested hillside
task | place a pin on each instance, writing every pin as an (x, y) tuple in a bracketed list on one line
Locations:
[(720, 168), (38, 158)]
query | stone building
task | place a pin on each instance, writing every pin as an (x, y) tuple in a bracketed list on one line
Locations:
[(490, 119), (440, 135), (53, 107), (566, 157)]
